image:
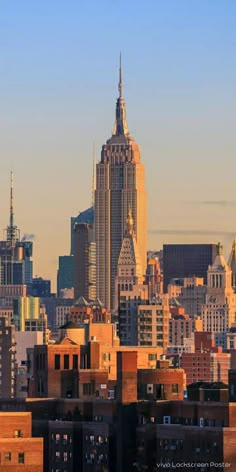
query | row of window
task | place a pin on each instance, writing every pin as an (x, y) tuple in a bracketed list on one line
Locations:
[(66, 364), (7, 457), (63, 456)]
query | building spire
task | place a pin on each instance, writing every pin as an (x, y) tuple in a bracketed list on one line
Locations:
[(12, 231), (120, 86), (219, 249), (94, 175), (121, 127), (11, 203)]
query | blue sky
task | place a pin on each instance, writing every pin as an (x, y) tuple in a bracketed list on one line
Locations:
[(58, 87)]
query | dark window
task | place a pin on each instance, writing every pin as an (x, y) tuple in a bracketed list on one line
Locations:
[(175, 388), (7, 456), (66, 361), (75, 361), (21, 458), (152, 357), (87, 389), (57, 361)]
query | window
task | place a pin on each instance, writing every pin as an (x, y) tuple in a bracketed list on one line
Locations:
[(87, 389), (7, 456), (21, 458), (152, 357), (175, 388), (57, 362), (17, 433), (75, 361), (66, 361)]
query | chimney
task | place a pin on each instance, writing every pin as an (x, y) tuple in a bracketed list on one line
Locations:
[(127, 376)]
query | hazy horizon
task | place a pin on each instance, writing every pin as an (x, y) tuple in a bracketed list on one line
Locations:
[(58, 90)]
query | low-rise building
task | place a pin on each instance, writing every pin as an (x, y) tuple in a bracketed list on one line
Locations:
[(19, 451)]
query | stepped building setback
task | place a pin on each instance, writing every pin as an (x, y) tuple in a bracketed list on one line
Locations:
[(120, 186)]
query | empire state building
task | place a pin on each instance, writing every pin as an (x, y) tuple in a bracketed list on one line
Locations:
[(120, 188)]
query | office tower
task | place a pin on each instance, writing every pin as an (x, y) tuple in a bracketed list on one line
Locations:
[(190, 293), (119, 186), (182, 326), (65, 273), (187, 260), (232, 263), (41, 287), (86, 216), (219, 311), (15, 254), (154, 277), (30, 315), (84, 261), (8, 359)]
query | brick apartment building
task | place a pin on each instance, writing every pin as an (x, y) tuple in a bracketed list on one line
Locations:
[(208, 363), (18, 450)]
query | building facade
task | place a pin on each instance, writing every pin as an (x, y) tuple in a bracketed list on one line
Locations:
[(120, 186), (219, 311), (65, 273), (187, 260), (18, 449), (84, 261), (190, 292), (7, 359)]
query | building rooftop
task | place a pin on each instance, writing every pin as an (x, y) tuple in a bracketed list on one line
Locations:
[(69, 325), (86, 216)]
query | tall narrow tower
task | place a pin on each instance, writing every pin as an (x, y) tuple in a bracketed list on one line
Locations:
[(12, 232), (120, 185)]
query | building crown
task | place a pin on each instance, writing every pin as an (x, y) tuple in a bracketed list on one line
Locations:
[(219, 249), (121, 126)]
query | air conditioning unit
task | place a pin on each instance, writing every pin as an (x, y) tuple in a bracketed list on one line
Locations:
[(166, 419), (201, 422), (149, 388), (111, 394)]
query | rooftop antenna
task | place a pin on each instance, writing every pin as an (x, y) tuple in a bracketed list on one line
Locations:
[(94, 175), (13, 233), (120, 86)]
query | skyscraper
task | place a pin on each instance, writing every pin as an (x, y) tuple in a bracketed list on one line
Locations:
[(187, 260), (16, 266), (120, 185), (86, 216), (84, 261), (65, 273)]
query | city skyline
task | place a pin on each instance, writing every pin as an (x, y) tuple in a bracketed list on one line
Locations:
[(180, 94)]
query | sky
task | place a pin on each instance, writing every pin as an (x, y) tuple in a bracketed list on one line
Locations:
[(59, 64)]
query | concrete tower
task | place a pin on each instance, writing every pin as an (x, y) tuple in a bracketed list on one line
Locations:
[(120, 185)]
